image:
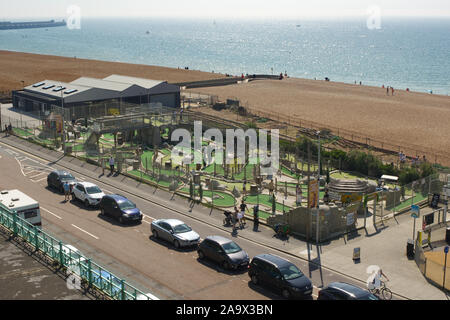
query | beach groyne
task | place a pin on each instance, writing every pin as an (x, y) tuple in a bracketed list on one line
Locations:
[(7, 25)]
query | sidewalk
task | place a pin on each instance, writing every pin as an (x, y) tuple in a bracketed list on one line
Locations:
[(385, 247)]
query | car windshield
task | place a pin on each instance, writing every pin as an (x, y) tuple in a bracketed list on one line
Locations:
[(291, 272), (231, 247), (127, 204), (181, 228), (93, 190), (67, 176)]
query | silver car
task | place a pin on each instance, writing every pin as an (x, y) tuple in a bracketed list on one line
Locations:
[(174, 231)]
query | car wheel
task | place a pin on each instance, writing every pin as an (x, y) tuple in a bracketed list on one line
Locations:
[(255, 279), (155, 234), (61, 189), (86, 203), (121, 221), (73, 197), (176, 243), (102, 212), (226, 265), (201, 255), (286, 294)]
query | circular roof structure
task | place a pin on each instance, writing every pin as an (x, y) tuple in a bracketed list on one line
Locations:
[(349, 186)]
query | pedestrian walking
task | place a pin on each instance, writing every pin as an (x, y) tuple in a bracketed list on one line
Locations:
[(234, 218), (111, 164), (241, 216), (244, 188), (66, 188), (103, 166), (9, 129), (271, 187), (392, 89), (387, 90), (6, 130), (255, 218)]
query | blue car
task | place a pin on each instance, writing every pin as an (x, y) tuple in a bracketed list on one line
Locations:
[(120, 208)]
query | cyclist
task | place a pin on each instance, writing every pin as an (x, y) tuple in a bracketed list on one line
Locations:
[(376, 282)]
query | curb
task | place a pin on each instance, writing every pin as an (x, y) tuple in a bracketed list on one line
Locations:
[(212, 225)]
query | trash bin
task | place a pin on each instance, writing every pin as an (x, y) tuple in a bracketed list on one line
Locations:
[(410, 249), (447, 236)]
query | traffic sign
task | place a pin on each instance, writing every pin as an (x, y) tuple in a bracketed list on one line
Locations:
[(415, 211), (446, 250)]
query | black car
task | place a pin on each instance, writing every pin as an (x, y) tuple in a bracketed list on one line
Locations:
[(280, 275), (224, 252), (56, 180), (345, 291), (120, 208)]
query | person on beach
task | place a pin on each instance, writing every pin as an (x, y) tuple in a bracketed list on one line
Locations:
[(392, 88), (387, 90), (111, 164)]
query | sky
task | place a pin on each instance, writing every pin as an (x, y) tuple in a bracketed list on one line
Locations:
[(222, 9)]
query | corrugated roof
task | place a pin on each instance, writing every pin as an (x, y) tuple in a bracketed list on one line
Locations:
[(102, 84), (144, 83)]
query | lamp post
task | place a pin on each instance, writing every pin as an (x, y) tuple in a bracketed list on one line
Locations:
[(63, 125), (318, 192)]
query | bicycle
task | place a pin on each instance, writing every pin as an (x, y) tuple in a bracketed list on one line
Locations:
[(382, 291)]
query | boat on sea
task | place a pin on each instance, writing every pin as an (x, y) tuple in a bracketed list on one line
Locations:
[(8, 25)]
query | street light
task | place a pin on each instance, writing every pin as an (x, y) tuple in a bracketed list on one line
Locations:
[(63, 125), (318, 193)]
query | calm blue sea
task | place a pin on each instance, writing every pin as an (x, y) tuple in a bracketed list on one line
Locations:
[(404, 53)]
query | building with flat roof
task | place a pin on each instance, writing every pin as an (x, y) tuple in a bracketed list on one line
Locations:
[(85, 91)]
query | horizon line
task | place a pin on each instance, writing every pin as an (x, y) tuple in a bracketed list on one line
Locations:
[(212, 17)]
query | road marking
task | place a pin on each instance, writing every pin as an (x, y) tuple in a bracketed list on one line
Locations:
[(37, 175), (51, 213), (146, 221), (39, 180), (95, 237)]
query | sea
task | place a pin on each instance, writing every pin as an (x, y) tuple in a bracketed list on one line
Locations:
[(403, 53)]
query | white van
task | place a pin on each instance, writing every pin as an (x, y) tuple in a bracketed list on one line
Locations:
[(26, 207)]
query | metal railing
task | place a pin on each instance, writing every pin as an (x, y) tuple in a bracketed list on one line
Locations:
[(89, 272)]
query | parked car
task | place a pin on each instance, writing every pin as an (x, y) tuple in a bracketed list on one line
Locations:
[(88, 193), (345, 291), (56, 179), (174, 231), (223, 251), (120, 208), (280, 275)]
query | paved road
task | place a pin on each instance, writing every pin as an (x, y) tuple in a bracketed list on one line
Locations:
[(129, 251)]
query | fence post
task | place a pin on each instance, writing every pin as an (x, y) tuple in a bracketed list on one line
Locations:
[(89, 273), (122, 290), (36, 240), (14, 223), (61, 255)]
